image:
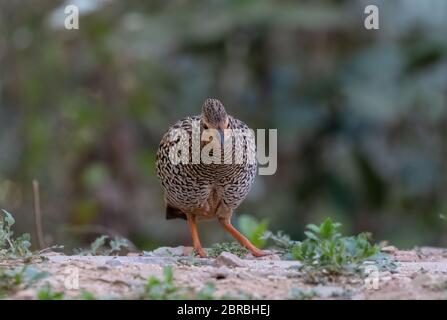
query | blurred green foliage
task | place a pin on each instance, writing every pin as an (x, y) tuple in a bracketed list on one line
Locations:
[(48, 293), (19, 278), (10, 246), (165, 289), (361, 115), (253, 229)]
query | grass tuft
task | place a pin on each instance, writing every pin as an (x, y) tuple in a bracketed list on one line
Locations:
[(165, 289), (232, 247), (105, 246)]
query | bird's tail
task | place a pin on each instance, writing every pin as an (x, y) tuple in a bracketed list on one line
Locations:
[(174, 213)]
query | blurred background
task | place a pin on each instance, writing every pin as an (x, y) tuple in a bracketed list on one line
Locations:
[(361, 114)]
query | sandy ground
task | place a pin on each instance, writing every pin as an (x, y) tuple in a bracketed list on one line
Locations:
[(420, 274)]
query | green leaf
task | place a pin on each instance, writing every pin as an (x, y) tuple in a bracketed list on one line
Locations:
[(15, 248), (311, 236), (47, 293), (98, 244), (85, 295), (207, 292), (117, 244), (253, 229), (313, 227), (326, 229), (152, 281), (32, 275), (281, 240), (168, 274), (8, 218)]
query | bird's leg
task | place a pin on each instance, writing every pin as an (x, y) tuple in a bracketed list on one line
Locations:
[(239, 237), (195, 236), (224, 214)]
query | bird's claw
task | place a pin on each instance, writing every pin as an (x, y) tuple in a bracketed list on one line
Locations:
[(200, 252), (188, 251), (261, 253)]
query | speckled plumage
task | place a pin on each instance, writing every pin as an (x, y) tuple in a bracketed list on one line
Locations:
[(199, 188)]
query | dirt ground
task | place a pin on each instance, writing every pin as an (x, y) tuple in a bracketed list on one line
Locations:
[(420, 274)]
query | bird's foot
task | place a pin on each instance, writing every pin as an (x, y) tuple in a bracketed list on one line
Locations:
[(200, 252), (260, 253), (188, 251)]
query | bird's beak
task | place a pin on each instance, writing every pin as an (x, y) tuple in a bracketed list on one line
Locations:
[(222, 137)]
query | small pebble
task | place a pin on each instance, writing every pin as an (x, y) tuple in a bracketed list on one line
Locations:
[(113, 262), (228, 259)]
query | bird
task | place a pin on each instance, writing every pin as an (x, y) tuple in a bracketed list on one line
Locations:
[(200, 190)]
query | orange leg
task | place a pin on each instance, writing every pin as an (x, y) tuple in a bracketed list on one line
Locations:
[(195, 236), (242, 240)]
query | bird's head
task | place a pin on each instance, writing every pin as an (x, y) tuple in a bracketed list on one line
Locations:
[(215, 117)]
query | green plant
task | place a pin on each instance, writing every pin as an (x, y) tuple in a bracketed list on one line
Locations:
[(19, 278), (207, 292), (97, 245), (232, 247), (253, 229), (325, 247), (11, 247), (101, 246), (282, 241), (47, 293), (165, 289), (118, 244), (86, 295), (300, 294)]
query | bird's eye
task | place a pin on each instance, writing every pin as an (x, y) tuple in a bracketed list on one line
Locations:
[(205, 127)]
